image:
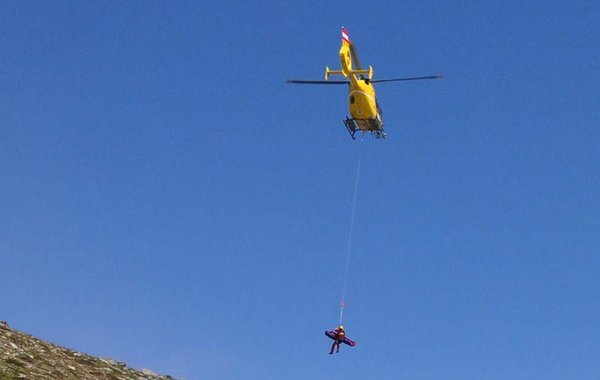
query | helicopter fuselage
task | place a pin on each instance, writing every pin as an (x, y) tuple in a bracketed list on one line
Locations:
[(362, 102)]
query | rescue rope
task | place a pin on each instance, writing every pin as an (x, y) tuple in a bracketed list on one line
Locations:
[(349, 245)]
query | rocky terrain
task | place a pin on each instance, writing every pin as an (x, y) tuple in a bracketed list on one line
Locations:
[(25, 357)]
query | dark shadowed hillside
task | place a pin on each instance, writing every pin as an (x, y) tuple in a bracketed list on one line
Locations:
[(25, 357)]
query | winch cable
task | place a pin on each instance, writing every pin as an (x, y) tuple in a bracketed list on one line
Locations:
[(349, 245)]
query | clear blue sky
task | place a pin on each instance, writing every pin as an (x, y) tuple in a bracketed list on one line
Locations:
[(168, 201)]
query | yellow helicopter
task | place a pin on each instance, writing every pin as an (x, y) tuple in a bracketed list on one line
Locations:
[(363, 105)]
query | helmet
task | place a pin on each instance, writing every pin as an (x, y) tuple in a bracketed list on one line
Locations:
[(340, 327)]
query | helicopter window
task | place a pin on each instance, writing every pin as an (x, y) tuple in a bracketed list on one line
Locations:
[(351, 99)]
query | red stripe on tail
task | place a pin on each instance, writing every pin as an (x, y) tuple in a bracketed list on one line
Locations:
[(345, 35)]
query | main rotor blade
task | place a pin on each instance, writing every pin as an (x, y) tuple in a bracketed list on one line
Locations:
[(409, 78), (294, 81), (354, 54)]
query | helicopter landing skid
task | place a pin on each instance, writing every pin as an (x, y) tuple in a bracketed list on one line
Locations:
[(366, 125)]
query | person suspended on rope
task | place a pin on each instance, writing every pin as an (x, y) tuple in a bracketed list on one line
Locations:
[(339, 336)]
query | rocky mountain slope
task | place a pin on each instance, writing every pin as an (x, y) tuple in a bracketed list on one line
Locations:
[(25, 357)]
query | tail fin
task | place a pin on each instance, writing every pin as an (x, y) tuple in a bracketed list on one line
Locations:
[(345, 57), (345, 36)]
